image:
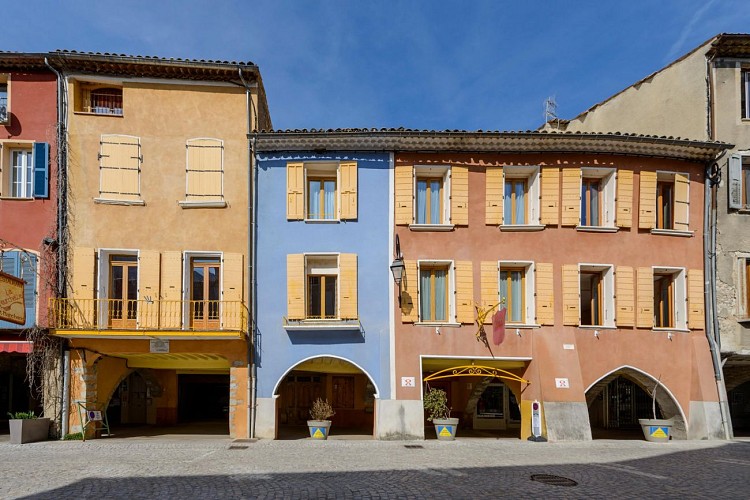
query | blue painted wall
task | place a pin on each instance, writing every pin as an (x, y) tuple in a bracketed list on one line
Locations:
[(367, 237)]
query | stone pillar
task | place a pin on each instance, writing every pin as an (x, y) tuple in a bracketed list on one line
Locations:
[(399, 419), (265, 418), (238, 402)]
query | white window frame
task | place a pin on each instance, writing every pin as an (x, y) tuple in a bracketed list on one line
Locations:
[(608, 179), (743, 287), (331, 265), (444, 171), (187, 282), (5, 116), (451, 316), (745, 89), (736, 185), (533, 184), (529, 293), (26, 173), (102, 282), (608, 292), (679, 277), (324, 169), (669, 176)]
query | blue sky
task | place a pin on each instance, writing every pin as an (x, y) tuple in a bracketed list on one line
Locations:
[(428, 64)]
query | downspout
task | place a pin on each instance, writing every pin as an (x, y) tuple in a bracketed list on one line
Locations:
[(62, 235), (251, 395)]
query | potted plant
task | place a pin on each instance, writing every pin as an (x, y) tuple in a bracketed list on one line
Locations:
[(26, 427), (436, 403), (656, 430), (320, 413)]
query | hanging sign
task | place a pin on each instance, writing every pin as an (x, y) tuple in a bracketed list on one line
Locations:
[(159, 346), (12, 307)]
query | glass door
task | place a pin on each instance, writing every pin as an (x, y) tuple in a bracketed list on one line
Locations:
[(123, 291), (206, 289)]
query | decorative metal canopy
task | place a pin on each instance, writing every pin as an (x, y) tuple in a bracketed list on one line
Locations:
[(475, 371)]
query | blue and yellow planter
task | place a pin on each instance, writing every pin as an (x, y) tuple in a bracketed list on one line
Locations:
[(446, 428), (319, 429), (656, 430)]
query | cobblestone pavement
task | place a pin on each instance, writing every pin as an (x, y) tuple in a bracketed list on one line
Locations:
[(215, 467)]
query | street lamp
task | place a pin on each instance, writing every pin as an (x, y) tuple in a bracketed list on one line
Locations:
[(398, 268)]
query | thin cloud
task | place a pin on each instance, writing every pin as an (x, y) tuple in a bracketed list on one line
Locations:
[(677, 46)]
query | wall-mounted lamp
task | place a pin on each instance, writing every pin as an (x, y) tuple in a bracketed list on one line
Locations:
[(518, 332), (596, 333), (398, 268), (669, 335)]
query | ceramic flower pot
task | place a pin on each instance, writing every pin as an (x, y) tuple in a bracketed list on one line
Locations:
[(656, 430), (319, 428), (445, 428)]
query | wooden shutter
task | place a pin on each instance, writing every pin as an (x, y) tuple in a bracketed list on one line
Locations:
[(625, 296), (571, 196), (348, 284), (404, 194), (348, 179), (295, 286), (459, 195), (409, 287), (204, 169), (645, 298), (148, 289), (171, 289), (82, 284), (545, 294), (489, 288), (494, 196), (41, 170), (120, 167), (695, 296), (681, 201), (571, 285), (232, 311), (295, 191), (464, 291), (550, 196), (735, 182), (624, 198), (647, 201)]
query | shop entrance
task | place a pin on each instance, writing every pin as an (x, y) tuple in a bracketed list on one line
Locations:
[(497, 409), (203, 398)]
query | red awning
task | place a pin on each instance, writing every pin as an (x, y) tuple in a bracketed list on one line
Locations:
[(23, 347)]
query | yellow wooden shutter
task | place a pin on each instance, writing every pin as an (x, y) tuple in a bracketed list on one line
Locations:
[(696, 318), (348, 176), (148, 289), (232, 286), (489, 290), (681, 201), (295, 189), (409, 287), (120, 167), (570, 282), (204, 169), (571, 196), (459, 195), (404, 194), (348, 280), (493, 196), (82, 284), (624, 198), (550, 196), (464, 291), (625, 296), (171, 289), (647, 201), (645, 298), (295, 286), (545, 294)]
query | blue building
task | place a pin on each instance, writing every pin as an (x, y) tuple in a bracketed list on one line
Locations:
[(324, 290)]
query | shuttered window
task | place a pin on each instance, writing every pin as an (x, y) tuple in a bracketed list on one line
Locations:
[(570, 294), (739, 182), (494, 196), (545, 293), (571, 196), (22, 265), (409, 292), (624, 198), (520, 204), (745, 93), (550, 209), (120, 162), (664, 201), (204, 170), (321, 287), (597, 195), (320, 191), (625, 296), (670, 296)]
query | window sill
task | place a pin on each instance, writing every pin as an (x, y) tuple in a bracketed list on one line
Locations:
[(431, 227), (521, 326), (202, 204), (662, 330), (88, 113), (597, 229), (745, 210), (322, 221), (672, 232), (321, 324), (521, 227), (437, 324), (108, 201), (15, 198), (594, 327), (743, 319)]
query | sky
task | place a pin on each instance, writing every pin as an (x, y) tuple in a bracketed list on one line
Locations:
[(425, 64)]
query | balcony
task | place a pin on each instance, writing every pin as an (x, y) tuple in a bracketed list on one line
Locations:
[(116, 318)]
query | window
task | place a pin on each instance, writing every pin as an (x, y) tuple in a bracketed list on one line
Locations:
[(205, 290), (98, 99), (664, 201), (123, 291), (434, 286), (430, 200), (669, 298), (4, 108), (24, 170), (597, 197), (22, 265), (743, 287), (322, 290), (520, 196), (322, 191), (120, 170), (513, 292), (745, 92), (321, 287), (665, 205), (21, 173), (596, 288), (747, 286), (515, 206), (205, 173), (739, 181)]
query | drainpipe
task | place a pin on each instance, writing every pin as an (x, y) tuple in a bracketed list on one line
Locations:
[(251, 394)]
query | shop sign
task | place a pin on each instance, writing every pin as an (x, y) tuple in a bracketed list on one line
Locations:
[(159, 346), (12, 307)]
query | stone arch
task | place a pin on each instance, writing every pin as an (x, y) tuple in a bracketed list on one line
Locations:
[(668, 404), (318, 356), (148, 376)]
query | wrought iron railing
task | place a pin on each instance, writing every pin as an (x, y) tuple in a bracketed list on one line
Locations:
[(104, 102), (123, 314)]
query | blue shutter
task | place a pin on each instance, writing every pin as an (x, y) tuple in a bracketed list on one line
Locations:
[(28, 273), (10, 266), (41, 170)]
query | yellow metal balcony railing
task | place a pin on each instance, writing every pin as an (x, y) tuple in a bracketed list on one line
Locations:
[(117, 314)]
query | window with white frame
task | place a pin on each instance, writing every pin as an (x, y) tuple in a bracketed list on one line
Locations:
[(435, 292), (672, 201), (431, 195), (745, 93), (597, 197), (22, 265), (596, 288), (321, 192), (321, 282), (670, 310), (520, 196), (739, 181), (4, 108), (24, 169), (516, 290), (21, 173), (743, 286)]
